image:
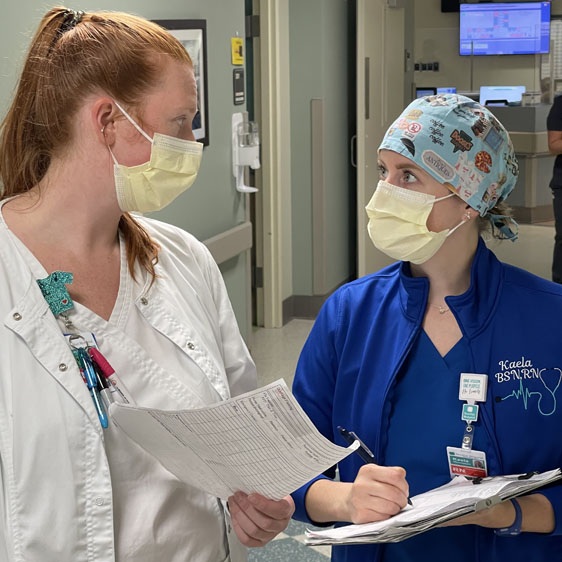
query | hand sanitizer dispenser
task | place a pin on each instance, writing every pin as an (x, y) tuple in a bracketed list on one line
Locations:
[(245, 149)]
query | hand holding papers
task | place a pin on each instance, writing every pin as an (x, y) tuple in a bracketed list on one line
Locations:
[(457, 498), (261, 441)]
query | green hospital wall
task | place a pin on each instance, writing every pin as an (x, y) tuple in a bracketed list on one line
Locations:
[(319, 69)]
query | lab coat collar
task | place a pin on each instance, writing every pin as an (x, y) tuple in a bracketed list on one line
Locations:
[(162, 318)]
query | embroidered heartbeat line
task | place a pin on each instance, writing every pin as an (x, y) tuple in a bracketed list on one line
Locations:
[(525, 394), (521, 393)]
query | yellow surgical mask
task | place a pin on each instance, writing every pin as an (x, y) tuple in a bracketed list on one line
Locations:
[(172, 168), (397, 223)]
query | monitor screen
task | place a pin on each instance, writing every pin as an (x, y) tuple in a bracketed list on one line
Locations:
[(497, 95), (505, 28), (446, 90), (428, 91)]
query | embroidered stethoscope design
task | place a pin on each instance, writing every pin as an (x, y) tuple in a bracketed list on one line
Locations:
[(525, 394)]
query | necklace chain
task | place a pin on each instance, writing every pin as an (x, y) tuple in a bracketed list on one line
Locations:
[(441, 308)]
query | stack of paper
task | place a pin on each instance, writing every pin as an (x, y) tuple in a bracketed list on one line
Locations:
[(261, 441), (459, 497)]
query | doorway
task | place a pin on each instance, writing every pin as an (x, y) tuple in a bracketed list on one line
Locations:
[(384, 83)]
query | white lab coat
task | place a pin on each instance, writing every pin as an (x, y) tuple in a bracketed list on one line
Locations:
[(56, 493)]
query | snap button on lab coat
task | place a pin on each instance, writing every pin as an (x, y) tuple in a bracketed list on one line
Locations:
[(99, 501), (190, 345), (16, 316), (144, 300), (63, 367)]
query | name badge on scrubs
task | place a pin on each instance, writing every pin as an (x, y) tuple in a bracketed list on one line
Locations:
[(464, 460), (467, 462)]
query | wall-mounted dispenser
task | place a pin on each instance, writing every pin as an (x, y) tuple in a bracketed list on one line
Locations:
[(245, 149)]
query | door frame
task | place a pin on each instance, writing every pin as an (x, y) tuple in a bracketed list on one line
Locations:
[(273, 202)]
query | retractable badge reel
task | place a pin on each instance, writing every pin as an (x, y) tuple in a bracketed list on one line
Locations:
[(94, 368), (464, 460)]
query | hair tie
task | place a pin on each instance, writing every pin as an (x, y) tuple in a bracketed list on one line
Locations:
[(71, 19), (503, 227)]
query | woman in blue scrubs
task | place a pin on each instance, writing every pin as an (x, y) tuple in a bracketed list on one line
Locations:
[(386, 355)]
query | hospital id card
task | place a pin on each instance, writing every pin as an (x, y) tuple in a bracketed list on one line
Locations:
[(467, 462)]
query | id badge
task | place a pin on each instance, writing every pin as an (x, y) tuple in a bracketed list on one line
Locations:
[(467, 462)]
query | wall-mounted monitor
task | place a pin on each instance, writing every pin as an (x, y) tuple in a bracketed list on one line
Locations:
[(507, 28), (446, 90)]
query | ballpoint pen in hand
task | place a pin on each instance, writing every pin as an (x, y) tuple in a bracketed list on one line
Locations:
[(363, 451)]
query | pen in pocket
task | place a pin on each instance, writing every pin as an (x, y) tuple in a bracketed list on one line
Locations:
[(87, 368), (106, 370)]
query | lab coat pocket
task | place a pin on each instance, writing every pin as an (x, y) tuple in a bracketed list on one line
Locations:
[(237, 551)]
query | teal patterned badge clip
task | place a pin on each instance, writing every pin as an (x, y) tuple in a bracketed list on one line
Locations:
[(55, 292)]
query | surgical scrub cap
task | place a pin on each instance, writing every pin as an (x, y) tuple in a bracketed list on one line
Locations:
[(462, 145)]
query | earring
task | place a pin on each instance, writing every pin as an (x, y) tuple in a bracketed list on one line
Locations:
[(102, 129)]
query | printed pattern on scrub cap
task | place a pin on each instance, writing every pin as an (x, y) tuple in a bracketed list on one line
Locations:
[(460, 143)]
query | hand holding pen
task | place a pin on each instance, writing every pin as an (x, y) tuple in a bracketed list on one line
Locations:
[(378, 492)]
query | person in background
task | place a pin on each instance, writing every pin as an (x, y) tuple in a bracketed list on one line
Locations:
[(100, 129), (554, 127), (389, 352)]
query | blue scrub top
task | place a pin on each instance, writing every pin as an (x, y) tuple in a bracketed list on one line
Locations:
[(427, 390)]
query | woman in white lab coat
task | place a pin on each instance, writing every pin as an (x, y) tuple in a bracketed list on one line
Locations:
[(100, 127)]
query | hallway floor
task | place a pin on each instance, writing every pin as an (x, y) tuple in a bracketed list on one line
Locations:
[(276, 351)]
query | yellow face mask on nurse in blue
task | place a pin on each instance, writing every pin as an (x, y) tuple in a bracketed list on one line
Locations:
[(172, 169), (397, 223)]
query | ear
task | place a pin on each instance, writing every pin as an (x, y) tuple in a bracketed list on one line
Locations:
[(103, 116), (470, 212)]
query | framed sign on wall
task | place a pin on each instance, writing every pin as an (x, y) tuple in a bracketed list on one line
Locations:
[(192, 34)]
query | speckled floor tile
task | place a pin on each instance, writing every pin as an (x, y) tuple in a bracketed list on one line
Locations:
[(276, 352), (289, 547), (296, 528), (286, 550)]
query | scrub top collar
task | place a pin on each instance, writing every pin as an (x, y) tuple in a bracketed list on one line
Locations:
[(473, 309)]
